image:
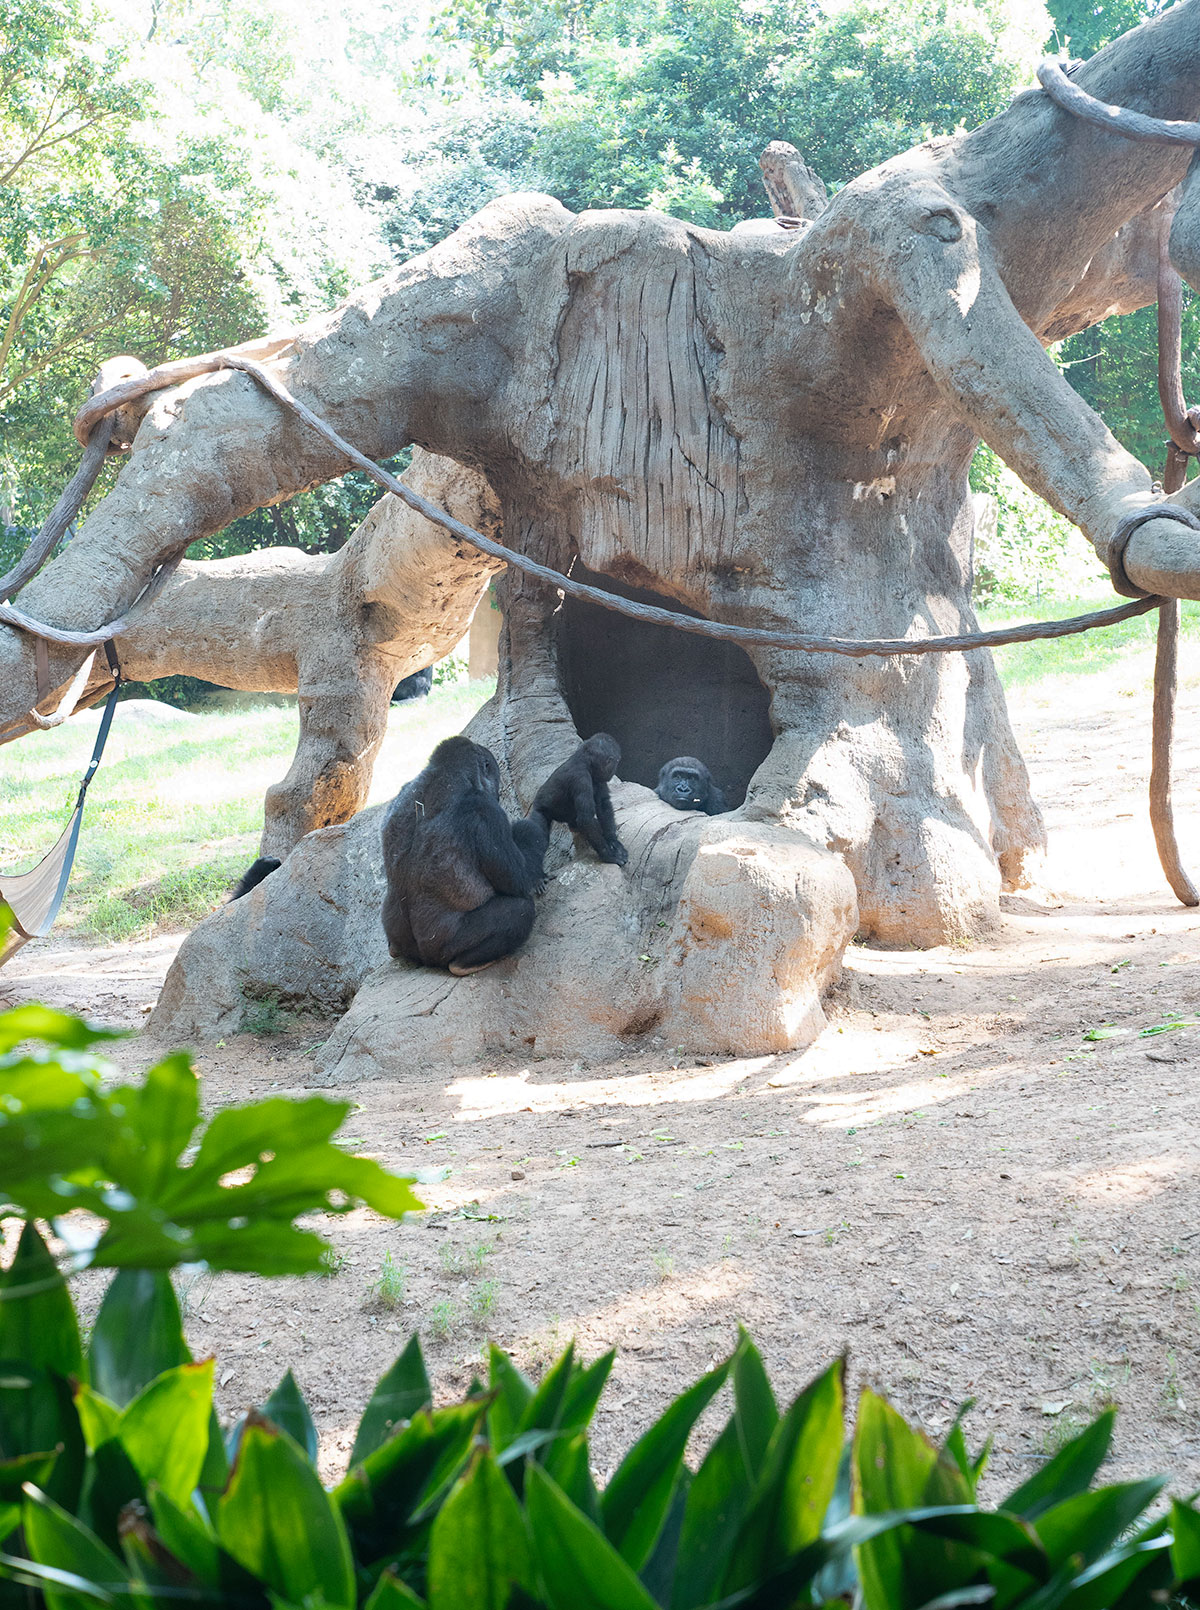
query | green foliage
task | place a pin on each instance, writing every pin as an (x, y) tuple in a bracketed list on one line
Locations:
[(652, 103), (459, 1506), (71, 1139), (1022, 547)]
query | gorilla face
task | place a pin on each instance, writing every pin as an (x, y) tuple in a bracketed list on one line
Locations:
[(687, 792), (686, 783)]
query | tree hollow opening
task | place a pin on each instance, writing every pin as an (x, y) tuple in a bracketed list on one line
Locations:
[(661, 692)]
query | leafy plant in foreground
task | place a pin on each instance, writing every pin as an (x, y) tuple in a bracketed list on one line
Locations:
[(118, 1488)]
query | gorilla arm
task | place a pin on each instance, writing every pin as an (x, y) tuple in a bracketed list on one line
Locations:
[(509, 854), (420, 354)]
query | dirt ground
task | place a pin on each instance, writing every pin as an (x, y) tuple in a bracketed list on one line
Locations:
[(1040, 1256)]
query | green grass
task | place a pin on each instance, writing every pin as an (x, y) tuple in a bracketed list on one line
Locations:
[(1025, 663), (175, 811)]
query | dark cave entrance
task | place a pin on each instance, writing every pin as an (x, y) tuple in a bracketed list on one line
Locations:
[(660, 692)]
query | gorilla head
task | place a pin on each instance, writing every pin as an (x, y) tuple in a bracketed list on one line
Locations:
[(686, 783)]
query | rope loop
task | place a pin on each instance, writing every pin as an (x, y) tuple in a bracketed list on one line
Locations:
[(1114, 554)]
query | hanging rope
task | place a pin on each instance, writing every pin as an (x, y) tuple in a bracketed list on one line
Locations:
[(1183, 428)]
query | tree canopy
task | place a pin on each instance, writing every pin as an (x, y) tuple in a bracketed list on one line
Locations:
[(187, 174)]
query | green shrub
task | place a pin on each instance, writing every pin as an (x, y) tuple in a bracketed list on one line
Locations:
[(117, 1486)]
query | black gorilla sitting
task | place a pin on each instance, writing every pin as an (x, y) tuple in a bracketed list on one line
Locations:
[(460, 875), (686, 783), (253, 875), (577, 794)]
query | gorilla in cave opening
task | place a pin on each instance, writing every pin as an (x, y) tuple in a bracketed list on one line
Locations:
[(661, 692)]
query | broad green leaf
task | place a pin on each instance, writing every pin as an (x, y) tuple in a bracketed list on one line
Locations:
[(720, 1494), (583, 1392), (30, 1467), (1136, 1573), (389, 1593), (896, 1468), (193, 1544), (164, 1111), (57, 1539), (37, 1022), (1185, 1545), (636, 1500), (98, 1417), (288, 1410), (137, 1335), (567, 1459), (1090, 1523), (386, 1495), (478, 1548), (513, 1394), (110, 1483), (717, 1501), (34, 1468), (37, 1317), (755, 1411), (66, 1142), (37, 1413), (165, 1429), (400, 1394), (795, 1484), (1071, 1471), (579, 1568), (544, 1411), (279, 1523)]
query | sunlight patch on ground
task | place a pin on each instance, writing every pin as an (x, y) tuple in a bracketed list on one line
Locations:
[(493, 1094), (1137, 1181)]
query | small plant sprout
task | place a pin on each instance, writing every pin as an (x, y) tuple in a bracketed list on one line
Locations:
[(441, 1319), (332, 1262), (481, 1299), (664, 1263), (389, 1290)]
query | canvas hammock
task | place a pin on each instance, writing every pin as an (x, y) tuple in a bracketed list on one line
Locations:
[(31, 899)]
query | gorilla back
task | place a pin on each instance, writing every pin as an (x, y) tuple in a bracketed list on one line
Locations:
[(460, 875)]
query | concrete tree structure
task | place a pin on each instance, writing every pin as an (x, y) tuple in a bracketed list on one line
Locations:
[(771, 428)]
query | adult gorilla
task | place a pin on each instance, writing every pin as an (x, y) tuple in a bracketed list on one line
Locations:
[(460, 875)]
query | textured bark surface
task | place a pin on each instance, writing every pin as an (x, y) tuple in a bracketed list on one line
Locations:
[(340, 630), (771, 429)]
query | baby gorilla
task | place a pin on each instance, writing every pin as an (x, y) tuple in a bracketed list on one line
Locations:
[(686, 783), (577, 794), (460, 875)]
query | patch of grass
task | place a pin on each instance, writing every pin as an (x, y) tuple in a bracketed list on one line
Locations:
[(481, 1299), (664, 1264), (1023, 663), (175, 811), (389, 1290), (442, 1318), (264, 1016)]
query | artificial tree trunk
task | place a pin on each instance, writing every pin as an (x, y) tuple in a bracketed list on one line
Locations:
[(769, 429), (340, 630)]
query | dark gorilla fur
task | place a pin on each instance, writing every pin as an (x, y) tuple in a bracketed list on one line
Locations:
[(415, 686), (686, 783), (577, 794), (460, 875), (253, 875)]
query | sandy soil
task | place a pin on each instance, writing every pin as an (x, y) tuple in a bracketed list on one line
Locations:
[(1041, 1256)]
